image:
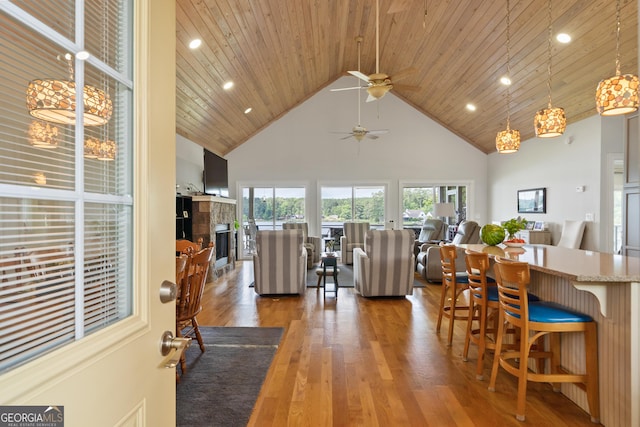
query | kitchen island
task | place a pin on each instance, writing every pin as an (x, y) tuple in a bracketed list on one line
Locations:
[(607, 287)]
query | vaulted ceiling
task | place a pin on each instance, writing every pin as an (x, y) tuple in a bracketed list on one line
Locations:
[(281, 52)]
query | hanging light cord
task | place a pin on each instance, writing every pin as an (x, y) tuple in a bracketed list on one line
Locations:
[(508, 66), (617, 37), (549, 55)]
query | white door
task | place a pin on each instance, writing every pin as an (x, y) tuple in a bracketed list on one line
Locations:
[(116, 376)]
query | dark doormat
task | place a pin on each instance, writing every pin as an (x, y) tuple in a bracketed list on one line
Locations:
[(222, 384)]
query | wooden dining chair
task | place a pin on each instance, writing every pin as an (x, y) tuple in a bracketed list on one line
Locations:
[(453, 286), (535, 320), (188, 304), (184, 246)]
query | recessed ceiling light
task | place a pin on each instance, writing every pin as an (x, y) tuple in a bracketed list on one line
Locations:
[(195, 43), (505, 81), (82, 55), (248, 110), (471, 107), (228, 85), (563, 38)]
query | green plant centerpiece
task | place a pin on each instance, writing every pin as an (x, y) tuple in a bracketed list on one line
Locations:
[(513, 226)]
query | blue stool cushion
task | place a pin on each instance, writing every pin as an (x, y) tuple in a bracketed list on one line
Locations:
[(549, 312), (462, 278)]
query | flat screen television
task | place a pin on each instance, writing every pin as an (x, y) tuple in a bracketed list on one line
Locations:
[(216, 180)]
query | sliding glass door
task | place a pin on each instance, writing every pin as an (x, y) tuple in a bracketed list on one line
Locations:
[(355, 203), (266, 208)]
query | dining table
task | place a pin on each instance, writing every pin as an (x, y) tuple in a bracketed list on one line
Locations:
[(607, 287)]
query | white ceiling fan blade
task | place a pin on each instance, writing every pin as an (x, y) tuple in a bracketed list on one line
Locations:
[(359, 75), (348, 88), (372, 136), (378, 132)]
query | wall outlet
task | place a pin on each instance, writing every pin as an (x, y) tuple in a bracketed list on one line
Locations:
[(588, 217), (580, 189)]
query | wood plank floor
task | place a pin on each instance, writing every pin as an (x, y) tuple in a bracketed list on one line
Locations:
[(372, 362)]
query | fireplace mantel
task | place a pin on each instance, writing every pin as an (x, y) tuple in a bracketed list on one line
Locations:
[(217, 199)]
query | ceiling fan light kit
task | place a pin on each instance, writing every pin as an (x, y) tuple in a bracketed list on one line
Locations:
[(618, 94)]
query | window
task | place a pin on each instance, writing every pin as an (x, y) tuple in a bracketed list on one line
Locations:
[(340, 204), (269, 207), (65, 208), (418, 201)]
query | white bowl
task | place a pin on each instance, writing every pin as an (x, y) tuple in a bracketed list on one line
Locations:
[(513, 245)]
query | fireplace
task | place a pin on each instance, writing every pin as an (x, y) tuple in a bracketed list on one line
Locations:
[(213, 220), (223, 232)]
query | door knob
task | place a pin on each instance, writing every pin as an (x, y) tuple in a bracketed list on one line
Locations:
[(168, 343), (168, 291)]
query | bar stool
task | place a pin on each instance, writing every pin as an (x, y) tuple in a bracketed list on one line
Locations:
[(453, 285), (535, 320), (483, 301)]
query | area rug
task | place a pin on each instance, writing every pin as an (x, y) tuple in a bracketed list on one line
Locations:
[(222, 384)]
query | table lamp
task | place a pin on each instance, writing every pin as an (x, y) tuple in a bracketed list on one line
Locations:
[(444, 210)]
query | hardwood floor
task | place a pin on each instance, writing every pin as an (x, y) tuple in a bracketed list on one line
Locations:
[(372, 362)]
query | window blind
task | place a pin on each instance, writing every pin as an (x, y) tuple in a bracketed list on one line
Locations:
[(65, 218)]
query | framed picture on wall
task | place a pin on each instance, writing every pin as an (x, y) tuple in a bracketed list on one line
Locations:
[(532, 201)]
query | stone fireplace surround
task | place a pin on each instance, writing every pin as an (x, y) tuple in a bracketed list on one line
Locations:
[(209, 212)]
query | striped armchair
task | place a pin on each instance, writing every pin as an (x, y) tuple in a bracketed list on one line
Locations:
[(312, 244), (280, 262), (352, 237), (385, 266)]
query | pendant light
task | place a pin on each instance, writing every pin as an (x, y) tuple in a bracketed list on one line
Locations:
[(549, 122), (102, 149), (54, 101), (43, 135), (618, 94), (508, 141)]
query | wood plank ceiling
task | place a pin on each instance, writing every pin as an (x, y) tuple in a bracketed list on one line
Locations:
[(281, 52)]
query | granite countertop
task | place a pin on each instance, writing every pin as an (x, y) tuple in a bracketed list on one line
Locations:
[(575, 264)]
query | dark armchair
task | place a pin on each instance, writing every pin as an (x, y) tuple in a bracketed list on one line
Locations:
[(428, 259)]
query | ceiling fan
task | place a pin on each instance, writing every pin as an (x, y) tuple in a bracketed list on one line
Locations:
[(359, 132), (378, 84)]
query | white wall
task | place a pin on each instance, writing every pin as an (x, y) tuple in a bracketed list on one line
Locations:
[(560, 167), (189, 166), (299, 148)]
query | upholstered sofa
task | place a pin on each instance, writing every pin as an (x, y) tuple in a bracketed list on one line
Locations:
[(352, 237), (280, 262), (385, 266), (428, 259), (311, 243)]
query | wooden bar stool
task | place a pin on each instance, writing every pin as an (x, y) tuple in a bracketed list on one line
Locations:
[(535, 320), (453, 285), (483, 302)]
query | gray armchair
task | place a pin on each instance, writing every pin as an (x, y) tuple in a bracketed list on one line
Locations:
[(280, 262), (385, 266), (432, 230), (353, 237), (311, 243), (428, 259)]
